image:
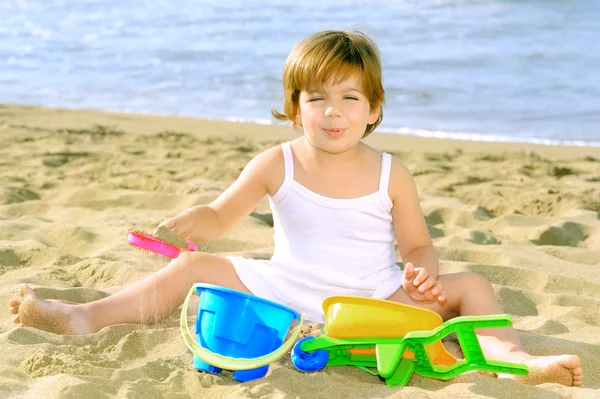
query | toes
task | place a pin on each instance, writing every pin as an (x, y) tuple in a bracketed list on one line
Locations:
[(16, 320), (577, 377), (15, 301), (14, 310), (571, 361), (24, 289)]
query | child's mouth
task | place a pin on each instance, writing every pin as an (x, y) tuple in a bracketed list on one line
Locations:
[(334, 132)]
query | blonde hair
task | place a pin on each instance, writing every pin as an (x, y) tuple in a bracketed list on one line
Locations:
[(332, 54)]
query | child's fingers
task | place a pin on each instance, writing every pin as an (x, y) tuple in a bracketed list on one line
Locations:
[(408, 276), (434, 292), (437, 291), (429, 297), (442, 298), (427, 284), (409, 271), (169, 224), (421, 276), (436, 288)]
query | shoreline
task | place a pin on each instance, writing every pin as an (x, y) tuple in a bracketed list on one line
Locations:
[(55, 118)]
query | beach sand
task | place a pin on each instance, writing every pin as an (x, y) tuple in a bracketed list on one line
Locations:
[(527, 217)]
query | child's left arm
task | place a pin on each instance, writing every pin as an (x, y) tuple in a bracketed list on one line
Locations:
[(416, 249)]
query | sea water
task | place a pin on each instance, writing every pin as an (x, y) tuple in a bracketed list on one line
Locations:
[(520, 70)]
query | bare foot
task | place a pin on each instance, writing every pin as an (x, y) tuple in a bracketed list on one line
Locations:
[(55, 317), (563, 369)]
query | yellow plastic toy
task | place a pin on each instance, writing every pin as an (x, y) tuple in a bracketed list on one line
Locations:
[(397, 340)]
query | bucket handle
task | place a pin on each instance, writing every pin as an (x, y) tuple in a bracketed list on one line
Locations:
[(226, 362)]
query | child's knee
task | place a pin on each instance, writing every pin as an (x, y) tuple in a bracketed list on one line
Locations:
[(477, 281), (200, 264), (186, 257), (188, 260)]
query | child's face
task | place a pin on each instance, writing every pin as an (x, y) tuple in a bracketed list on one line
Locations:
[(335, 119)]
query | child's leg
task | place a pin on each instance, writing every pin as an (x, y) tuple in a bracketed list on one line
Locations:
[(470, 294), (146, 301)]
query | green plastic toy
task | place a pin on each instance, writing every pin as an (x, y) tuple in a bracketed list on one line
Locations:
[(397, 340)]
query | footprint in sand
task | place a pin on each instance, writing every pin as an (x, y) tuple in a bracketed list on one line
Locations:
[(13, 195), (481, 237), (8, 258), (516, 303), (568, 234)]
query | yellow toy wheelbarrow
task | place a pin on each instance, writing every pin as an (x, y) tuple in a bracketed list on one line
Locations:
[(397, 340)]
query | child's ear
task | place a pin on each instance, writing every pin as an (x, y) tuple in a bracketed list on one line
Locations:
[(298, 119), (374, 114)]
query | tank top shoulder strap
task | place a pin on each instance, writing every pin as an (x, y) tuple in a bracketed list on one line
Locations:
[(384, 181), (288, 162)]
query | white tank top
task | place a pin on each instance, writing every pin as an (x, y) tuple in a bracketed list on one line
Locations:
[(350, 236)]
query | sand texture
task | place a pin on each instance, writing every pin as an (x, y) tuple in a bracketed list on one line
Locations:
[(170, 237), (526, 217)]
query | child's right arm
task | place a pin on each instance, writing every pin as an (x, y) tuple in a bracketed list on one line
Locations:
[(203, 223)]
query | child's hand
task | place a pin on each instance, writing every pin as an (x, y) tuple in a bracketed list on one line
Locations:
[(182, 224), (420, 286)]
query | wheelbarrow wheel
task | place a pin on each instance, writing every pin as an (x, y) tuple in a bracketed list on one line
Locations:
[(308, 362)]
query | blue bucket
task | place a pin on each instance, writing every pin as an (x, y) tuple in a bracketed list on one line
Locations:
[(239, 325)]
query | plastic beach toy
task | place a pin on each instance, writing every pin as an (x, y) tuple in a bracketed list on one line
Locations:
[(237, 331), (397, 340), (153, 244)]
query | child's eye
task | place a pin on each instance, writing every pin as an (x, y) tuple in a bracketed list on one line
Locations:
[(350, 98), (315, 99)]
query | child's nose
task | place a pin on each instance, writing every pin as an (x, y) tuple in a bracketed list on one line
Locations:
[(333, 111)]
